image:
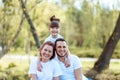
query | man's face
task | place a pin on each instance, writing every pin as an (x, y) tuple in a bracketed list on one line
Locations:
[(61, 48)]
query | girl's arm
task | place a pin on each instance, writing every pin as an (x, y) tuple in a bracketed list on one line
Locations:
[(39, 66), (67, 61), (33, 77)]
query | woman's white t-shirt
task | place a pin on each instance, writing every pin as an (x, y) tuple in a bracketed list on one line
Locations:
[(50, 69)]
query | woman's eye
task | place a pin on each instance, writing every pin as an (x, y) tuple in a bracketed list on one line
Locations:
[(50, 51), (45, 49)]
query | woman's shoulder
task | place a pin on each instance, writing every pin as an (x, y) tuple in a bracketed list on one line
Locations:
[(53, 61)]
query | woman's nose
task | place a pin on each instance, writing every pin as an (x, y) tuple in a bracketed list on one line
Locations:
[(47, 52)]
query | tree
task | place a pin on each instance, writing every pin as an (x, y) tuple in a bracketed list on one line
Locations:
[(7, 12), (103, 61), (15, 36), (32, 27)]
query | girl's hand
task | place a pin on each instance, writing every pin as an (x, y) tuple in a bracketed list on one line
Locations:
[(67, 61), (39, 66)]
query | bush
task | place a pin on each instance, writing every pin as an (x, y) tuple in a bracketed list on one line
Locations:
[(12, 72), (108, 75), (92, 53)]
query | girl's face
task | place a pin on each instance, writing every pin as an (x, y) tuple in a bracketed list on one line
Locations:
[(46, 53), (54, 31)]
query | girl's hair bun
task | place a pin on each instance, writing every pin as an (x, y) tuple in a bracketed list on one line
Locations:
[(53, 18)]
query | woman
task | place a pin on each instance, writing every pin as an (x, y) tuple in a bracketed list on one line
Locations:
[(49, 71)]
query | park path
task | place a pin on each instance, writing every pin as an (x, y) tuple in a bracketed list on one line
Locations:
[(13, 56)]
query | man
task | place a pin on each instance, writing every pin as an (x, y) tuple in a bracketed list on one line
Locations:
[(74, 72)]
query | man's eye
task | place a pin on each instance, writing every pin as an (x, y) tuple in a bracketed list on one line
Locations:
[(59, 46), (64, 47)]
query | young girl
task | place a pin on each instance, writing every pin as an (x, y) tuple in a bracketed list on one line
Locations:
[(54, 28)]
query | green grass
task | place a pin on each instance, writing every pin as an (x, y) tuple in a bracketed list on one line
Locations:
[(114, 66), (22, 64), (19, 67)]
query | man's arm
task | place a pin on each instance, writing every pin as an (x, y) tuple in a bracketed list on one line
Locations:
[(78, 74), (56, 78)]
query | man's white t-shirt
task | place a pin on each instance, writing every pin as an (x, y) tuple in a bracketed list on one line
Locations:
[(68, 73)]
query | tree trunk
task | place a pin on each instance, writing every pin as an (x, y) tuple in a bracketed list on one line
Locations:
[(104, 59), (33, 30)]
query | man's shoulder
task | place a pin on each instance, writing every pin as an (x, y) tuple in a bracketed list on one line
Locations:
[(74, 57)]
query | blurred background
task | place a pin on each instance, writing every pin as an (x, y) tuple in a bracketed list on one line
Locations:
[(86, 25)]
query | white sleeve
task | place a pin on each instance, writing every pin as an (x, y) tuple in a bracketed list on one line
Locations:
[(33, 67), (57, 69), (76, 62)]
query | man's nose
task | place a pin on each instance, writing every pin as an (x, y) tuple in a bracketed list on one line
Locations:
[(62, 48)]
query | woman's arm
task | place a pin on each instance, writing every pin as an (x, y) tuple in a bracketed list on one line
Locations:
[(78, 74), (56, 78), (33, 77)]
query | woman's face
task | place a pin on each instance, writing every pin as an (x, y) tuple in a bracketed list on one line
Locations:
[(54, 31), (46, 53)]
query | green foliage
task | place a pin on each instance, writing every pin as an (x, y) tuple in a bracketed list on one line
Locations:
[(91, 52), (11, 65), (88, 27), (112, 75), (116, 54), (13, 72)]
